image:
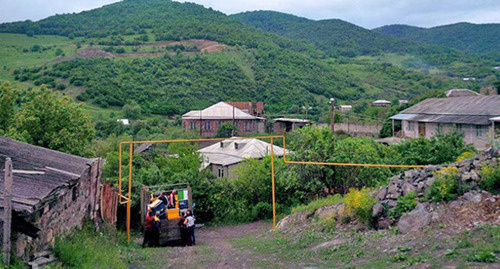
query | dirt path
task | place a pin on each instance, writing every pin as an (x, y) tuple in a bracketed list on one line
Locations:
[(213, 249)]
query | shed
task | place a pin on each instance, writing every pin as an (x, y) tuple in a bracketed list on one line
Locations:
[(282, 125), (52, 193), (381, 103)]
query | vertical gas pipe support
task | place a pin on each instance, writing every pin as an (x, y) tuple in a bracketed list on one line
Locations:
[(120, 173), (131, 152), (273, 185)]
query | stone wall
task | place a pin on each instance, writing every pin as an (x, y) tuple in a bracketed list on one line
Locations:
[(62, 215), (420, 179)]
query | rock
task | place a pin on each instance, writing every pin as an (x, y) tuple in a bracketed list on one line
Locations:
[(469, 176), (382, 192), (411, 174), (393, 192), (415, 220), (330, 244), (431, 168), (429, 182), (420, 186), (407, 188), (389, 203), (328, 212), (378, 209), (384, 223), (473, 197)]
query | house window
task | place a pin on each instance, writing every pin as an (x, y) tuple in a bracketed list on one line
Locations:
[(460, 127), (207, 125), (411, 126), (193, 125), (248, 126), (479, 130), (439, 128), (221, 172)]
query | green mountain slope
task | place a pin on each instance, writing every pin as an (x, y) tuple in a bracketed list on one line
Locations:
[(332, 36), (157, 19), (467, 37), (118, 54)]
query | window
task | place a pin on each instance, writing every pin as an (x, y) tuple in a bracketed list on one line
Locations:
[(221, 172), (193, 125), (207, 125), (479, 130), (439, 128), (411, 126), (460, 127), (248, 126)]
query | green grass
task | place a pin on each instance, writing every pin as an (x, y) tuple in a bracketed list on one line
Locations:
[(312, 206), (14, 55), (379, 249)]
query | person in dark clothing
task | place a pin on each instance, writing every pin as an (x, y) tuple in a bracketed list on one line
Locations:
[(183, 229), (156, 230), (149, 229), (189, 222)]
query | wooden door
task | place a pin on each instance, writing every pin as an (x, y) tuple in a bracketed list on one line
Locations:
[(421, 129)]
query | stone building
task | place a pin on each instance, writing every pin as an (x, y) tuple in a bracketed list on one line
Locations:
[(53, 193), (471, 115), (207, 121)]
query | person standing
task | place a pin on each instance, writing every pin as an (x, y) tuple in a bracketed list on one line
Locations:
[(183, 229), (171, 199), (190, 224), (149, 229)]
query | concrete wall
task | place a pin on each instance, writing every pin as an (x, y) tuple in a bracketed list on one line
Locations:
[(358, 129), (229, 171), (210, 127), (479, 135), (61, 216)]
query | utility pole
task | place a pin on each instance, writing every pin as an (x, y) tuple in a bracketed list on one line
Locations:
[(201, 126), (232, 131), (332, 114), (7, 216)]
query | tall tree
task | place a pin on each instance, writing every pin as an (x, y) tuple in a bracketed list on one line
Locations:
[(54, 122), (7, 99)]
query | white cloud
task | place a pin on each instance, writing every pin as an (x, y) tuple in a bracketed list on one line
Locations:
[(366, 13)]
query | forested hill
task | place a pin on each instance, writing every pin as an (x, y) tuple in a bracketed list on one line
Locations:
[(158, 20), (333, 36), (467, 37)]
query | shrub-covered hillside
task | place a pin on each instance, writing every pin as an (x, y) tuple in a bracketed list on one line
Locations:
[(467, 37)]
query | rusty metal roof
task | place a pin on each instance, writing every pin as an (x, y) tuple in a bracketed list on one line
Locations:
[(464, 106), (40, 174)]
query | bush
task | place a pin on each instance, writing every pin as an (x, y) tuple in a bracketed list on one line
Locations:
[(359, 204), (445, 187), (262, 211), (405, 203), (465, 155), (490, 178), (312, 206)]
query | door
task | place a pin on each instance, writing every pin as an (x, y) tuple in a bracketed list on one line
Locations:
[(421, 129)]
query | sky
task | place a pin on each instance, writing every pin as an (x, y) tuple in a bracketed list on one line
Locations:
[(366, 13)]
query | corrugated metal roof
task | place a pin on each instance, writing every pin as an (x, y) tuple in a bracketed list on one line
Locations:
[(460, 93), (292, 120), (403, 116), (220, 110), (56, 171), (470, 105), (495, 119), (462, 119), (382, 102), (229, 154)]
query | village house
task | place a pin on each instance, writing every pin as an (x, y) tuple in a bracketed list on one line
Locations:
[(208, 121), (52, 193), (345, 108), (283, 125), (381, 103), (472, 115), (224, 156)]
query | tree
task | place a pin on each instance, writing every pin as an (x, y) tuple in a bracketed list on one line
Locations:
[(132, 110), (54, 122), (7, 99), (226, 130)]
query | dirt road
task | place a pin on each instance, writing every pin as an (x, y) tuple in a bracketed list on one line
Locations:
[(213, 250)]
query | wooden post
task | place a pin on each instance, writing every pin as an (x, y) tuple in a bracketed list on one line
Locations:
[(392, 127), (7, 218)]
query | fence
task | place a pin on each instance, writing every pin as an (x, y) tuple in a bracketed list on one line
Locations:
[(359, 129)]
